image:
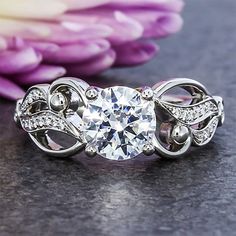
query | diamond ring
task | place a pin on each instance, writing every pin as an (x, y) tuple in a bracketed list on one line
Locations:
[(119, 123)]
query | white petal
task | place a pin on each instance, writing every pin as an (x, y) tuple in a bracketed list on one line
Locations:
[(31, 8), (25, 29)]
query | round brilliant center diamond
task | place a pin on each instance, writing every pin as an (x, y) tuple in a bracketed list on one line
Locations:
[(119, 122)]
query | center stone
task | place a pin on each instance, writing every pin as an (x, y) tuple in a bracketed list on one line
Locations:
[(119, 123)]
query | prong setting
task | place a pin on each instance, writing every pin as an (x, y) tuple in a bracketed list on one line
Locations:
[(90, 151), (91, 93), (148, 149), (147, 93)]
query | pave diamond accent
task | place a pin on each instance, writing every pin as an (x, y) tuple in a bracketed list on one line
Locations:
[(44, 121), (191, 114), (35, 94), (203, 136), (119, 123)]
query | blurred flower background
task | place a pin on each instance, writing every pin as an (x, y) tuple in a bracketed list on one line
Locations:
[(43, 40)]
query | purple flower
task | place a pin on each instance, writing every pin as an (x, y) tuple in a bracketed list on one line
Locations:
[(42, 41)]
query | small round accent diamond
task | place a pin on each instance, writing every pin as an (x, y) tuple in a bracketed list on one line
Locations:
[(119, 123)]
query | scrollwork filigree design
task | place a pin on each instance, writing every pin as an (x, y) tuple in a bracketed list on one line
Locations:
[(200, 116)]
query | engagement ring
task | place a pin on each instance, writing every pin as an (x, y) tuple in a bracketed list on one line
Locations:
[(119, 122)]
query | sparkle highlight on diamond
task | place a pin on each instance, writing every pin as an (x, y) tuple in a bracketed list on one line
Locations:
[(119, 123)]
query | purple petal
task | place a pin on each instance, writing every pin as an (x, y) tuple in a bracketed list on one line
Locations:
[(61, 31), (129, 24), (94, 66), (135, 53), (170, 24), (15, 43), (42, 74), (162, 26), (125, 28), (168, 5), (19, 61), (10, 90), (74, 53), (3, 44), (86, 28), (75, 4), (156, 24), (43, 47), (67, 32)]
